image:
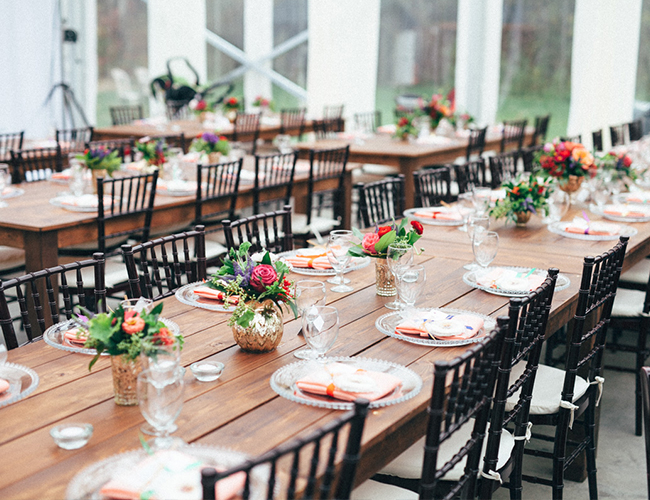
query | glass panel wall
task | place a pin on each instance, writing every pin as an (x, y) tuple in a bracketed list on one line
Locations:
[(226, 19), (290, 18)]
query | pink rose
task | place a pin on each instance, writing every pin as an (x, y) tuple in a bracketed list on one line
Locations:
[(548, 147), (369, 240), (263, 276)]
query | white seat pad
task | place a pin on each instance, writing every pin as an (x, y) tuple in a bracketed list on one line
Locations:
[(373, 490), (114, 275), (638, 273), (321, 224), (409, 464), (547, 391), (628, 303)]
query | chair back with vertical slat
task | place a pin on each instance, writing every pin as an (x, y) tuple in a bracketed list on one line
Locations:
[(432, 186), (461, 395), (74, 139), (273, 173), (541, 127), (326, 164), (528, 157), (9, 142), (216, 184), (381, 201), (159, 267), (177, 109), (524, 337), (292, 119), (645, 390), (597, 138), (470, 175), (617, 135), (333, 115), (123, 197), (30, 165), (513, 133), (503, 167), (367, 122), (125, 115), (269, 231), (321, 128), (476, 143), (635, 130), (173, 140), (310, 460), (247, 128), (49, 296), (125, 147)]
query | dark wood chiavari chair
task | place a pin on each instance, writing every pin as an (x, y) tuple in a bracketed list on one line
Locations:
[(432, 186), (272, 173), (333, 115), (541, 127), (528, 157), (476, 143), (125, 115), (269, 231), (644, 375), (291, 119), (503, 167), (381, 201), (9, 142), (125, 147), (367, 122), (217, 182), (174, 140), (30, 165), (470, 175), (74, 140), (513, 133), (247, 124)]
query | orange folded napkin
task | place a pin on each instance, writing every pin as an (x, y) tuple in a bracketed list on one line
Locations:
[(210, 293), (509, 280), (637, 197), (347, 383), (4, 385), (581, 226), (309, 260), (76, 336), (440, 213), (64, 175), (167, 474), (625, 211), (441, 325)]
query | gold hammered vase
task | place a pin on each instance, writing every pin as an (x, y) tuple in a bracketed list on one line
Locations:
[(384, 279), (572, 184), (98, 172), (264, 332), (522, 218), (125, 379)]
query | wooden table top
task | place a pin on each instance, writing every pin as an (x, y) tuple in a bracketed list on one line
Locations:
[(240, 411)]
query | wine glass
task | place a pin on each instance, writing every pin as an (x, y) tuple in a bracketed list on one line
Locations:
[(558, 205), (411, 284), (475, 221), (398, 257), (339, 243), (485, 245), (320, 326), (466, 206), (308, 293), (160, 400), (336, 280), (483, 197)]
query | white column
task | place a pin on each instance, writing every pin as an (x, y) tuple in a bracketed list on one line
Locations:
[(258, 42), (343, 51), (603, 65), (176, 29), (478, 58)]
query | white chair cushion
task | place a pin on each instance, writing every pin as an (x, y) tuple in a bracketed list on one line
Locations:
[(547, 391), (213, 249), (321, 224), (375, 169), (628, 303), (11, 258), (409, 464), (638, 273), (373, 490), (115, 274)]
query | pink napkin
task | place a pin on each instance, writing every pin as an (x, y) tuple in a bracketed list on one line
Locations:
[(76, 336), (438, 214), (593, 229), (311, 261), (624, 212), (348, 383), (61, 176), (211, 294), (4, 385), (418, 325)]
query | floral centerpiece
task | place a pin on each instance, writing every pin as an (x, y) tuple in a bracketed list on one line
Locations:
[(212, 145), (405, 128), (153, 151), (461, 120), (523, 198), (568, 162), (101, 158), (262, 102), (260, 288), (437, 109), (616, 166), (232, 104), (200, 107)]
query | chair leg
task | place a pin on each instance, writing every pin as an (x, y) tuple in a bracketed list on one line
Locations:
[(516, 487), (559, 456), (641, 356), (590, 450)]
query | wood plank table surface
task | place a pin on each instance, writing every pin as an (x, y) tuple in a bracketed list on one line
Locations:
[(240, 410)]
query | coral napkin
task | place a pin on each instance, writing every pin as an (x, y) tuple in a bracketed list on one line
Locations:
[(581, 226), (438, 213), (509, 280), (168, 474), (347, 383), (625, 211), (211, 294), (76, 336), (64, 175), (309, 260), (4, 385), (440, 325)]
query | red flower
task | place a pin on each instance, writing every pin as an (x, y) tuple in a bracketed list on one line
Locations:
[(233, 101), (163, 337), (384, 230), (627, 161), (201, 105), (263, 276), (402, 122), (417, 226)]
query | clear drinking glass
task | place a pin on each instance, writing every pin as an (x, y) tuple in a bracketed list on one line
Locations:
[(172, 169), (163, 358), (475, 221), (466, 206), (483, 197), (309, 293), (558, 205), (411, 284), (485, 246), (320, 326), (399, 256), (340, 241), (160, 402), (5, 181)]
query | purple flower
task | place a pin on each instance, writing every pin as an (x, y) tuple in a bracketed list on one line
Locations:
[(528, 205), (210, 137), (245, 272)]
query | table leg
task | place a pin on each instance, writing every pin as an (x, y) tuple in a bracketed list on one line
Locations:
[(41, 251), (407, 166), (347, 200)]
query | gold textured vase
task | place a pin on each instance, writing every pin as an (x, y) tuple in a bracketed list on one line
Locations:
[(522, 218), (264, 332), (98, 172), (214, 158), (384, 279), (125, 380), (572, 184)]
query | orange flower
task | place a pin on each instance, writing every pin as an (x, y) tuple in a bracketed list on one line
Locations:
[(581, 155), (134, 324)]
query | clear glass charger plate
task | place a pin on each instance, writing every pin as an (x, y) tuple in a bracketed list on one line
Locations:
[(469, 278), (74, 208), (356, 263), (386, 324), (54, 336), (560, 228), (410, 213), (87, 483), (186, 295), (22, 382), (619, 218), (178, 188), (283, 381), (11, 192), (643, 196)]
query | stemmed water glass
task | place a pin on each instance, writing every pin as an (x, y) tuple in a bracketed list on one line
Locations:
[(309, 293), (411, 284), (160, 399), (320, 326), (480, 221), (485, 245), (399, 257), (466, 206), (558, 205), (339, 243)]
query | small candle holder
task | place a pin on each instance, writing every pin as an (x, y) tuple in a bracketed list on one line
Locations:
[(207, 371), (71, 436)]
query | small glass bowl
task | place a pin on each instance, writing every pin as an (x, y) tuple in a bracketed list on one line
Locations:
[(207, 371), (140, 304), (71, 436)]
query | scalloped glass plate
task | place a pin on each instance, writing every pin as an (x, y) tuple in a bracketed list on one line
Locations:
[(11, 192), (560, 228), (634, 198), (469, 278), (619, 218), (22, 382), (57, 202), (186, 295), (176, 188), (54, 336), (283, 381), (356, 264), (386, 324), (87, 483), (410, 213)]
